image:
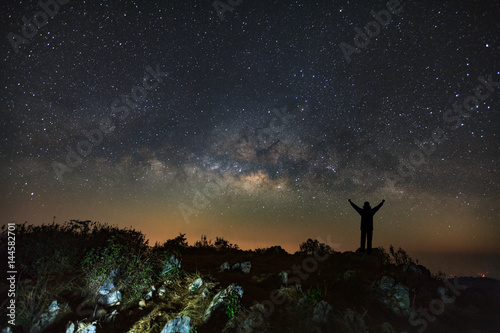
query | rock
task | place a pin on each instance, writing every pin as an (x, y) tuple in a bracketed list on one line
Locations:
[(225, 267), (178, 325), (283, 276), (396, 297), (249, 322), (101, 313), (401, 296), (161, 291), (386, 283), (47, 318), (111, 299), (110, 296), (220, 300), (205, 293), (350, 321), (108, 285), (149, 295), (196, 284), (111, 317), (246, 267), (142, 303), (349, 275), (82, 328), (320, 312), (70, 328), (387, 328), (172, 266), (90, 328)]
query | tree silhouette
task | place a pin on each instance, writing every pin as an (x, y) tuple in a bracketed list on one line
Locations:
[(314, 246)]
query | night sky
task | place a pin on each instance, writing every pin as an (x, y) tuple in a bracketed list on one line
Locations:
[(256, 123)]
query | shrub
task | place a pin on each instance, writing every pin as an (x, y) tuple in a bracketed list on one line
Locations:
[(178, 243), (203, 243), (222, 244), (400, 257), (314, 246), (135, 268), (53, 250), (232, 306), (440, 276), (386, 259), (313, 296)]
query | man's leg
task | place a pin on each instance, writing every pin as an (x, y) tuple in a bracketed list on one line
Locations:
[(363, 238), (369, 235)]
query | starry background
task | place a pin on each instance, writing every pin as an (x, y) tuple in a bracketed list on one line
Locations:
[(262, 129)]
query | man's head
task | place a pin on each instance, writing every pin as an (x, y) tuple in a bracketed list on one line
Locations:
[(366, 205)]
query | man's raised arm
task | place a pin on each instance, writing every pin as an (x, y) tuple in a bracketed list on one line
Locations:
[(359, 210), (378, 207)]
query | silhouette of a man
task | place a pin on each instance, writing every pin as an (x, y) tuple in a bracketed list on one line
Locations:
[(366, 223)]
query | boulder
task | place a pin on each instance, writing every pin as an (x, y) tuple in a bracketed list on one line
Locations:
[(320, 312), (283, 278), (109, 295), (48, 317), (196, 284), (108, 285), (221, 300), (246, 267), (349, 274), (225, 267), (386, 327), (236, 266), (401, 300), (205, 293), (111, 299), (172, 266), (350, 321), (178, 325), (441, 291), (386, 283), (82, 328), (111, 316), (395, 296)]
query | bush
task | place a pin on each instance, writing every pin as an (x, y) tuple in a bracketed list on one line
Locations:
[(314, 246), (273, 250), (400, 257), (56, 251), (204, 243), (440, 276), (386, 259), (232, 306), (136, 270), (313, 296)]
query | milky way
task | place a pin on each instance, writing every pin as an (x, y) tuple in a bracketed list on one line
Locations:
[(255, 121)]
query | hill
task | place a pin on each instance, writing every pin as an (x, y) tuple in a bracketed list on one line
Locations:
[(83, 277)]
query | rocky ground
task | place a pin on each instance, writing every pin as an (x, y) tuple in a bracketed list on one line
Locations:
[(202, 290)]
